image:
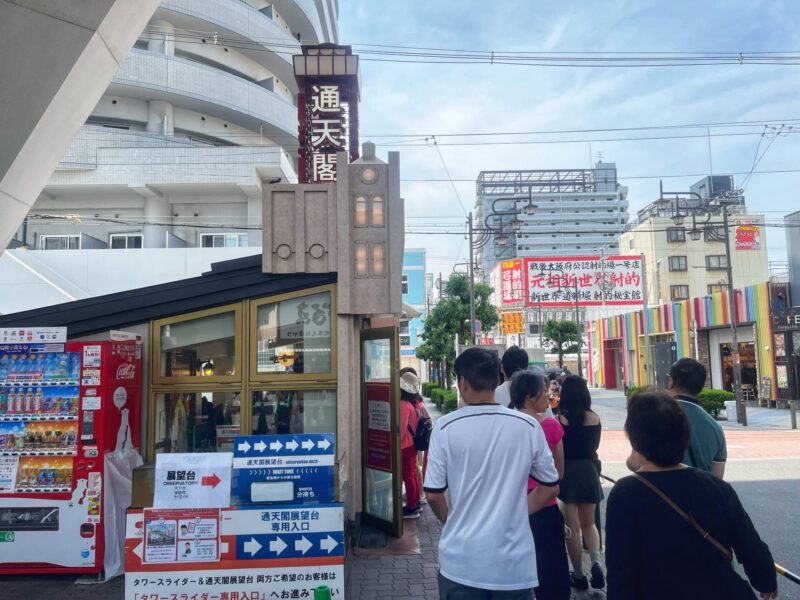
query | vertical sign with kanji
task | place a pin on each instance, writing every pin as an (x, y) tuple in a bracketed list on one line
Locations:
[(327, 76), (511, 282)]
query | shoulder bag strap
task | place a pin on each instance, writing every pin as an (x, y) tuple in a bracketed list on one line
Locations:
[(686, 517)]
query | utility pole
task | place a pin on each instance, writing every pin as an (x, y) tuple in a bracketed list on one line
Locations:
[(541, 325), (578, 328), (645, 314), (471, 286), (741, 409)]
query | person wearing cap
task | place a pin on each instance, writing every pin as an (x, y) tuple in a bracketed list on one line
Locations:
[(421, 455), (409, 390)]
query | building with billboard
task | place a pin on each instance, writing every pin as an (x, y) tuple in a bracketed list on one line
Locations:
[(578, 212), (792, 224), (681, 267)]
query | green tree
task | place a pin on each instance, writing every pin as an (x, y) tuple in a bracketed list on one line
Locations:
[(563, 335), (450, 316)]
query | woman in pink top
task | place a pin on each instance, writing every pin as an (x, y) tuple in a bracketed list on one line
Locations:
[(530, 395), (409, 390)]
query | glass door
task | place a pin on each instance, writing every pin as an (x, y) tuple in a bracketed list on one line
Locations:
[(382, 485)]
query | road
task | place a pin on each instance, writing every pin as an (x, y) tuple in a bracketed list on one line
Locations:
[(763, 467)]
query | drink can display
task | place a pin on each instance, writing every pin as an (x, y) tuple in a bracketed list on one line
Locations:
[(19, 405), (28, 406), (65, 403), (3, 400), (72, 438), (41, 477), (38, 401), (51, 476)]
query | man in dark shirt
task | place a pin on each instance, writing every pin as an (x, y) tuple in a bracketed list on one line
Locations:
[(707, 450)]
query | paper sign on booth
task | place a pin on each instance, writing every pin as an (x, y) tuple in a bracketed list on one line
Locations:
[(193, 480)]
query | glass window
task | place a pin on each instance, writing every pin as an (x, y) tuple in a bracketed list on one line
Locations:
[(196, 421), (294, 335), (716, 262), (404, 284), (679, 292), (378, 266), (377, 211), (677, 263), (361, 211), (223, 240), (201, 347), (60, 242), (122, 241), (716, 288), (362, 268), (676, 234), (296, 411)]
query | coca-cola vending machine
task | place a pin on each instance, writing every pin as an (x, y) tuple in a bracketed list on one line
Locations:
[(63, 406)]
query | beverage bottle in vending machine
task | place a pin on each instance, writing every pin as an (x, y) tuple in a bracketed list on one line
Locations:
[(3, 401), (39, 368), (19, 405), (3, 367), (28, 401), (38, 401), (75, 366)]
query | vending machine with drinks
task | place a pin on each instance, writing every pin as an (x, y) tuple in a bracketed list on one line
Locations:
[(62, 407)]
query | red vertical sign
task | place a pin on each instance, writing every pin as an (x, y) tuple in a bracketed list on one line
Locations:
[(378, 398)]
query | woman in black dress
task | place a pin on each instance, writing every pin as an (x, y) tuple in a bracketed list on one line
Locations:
[(653, 551), (580, 488)]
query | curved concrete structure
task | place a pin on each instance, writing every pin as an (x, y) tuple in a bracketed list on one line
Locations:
[(57, 59), (197, 114)]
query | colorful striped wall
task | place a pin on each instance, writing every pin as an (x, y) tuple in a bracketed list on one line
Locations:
[(751, 305)]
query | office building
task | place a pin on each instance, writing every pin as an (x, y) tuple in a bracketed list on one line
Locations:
[(577, 212), (679, 266), (414, 282)]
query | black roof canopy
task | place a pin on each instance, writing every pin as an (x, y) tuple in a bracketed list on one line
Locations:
[(226, 282)]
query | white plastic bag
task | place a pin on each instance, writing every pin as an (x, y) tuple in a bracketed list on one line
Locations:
[(119, 466)]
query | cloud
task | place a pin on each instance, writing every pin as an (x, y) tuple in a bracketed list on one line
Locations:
[(425, 99)]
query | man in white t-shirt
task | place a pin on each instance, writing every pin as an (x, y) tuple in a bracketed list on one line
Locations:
[(482, 455)]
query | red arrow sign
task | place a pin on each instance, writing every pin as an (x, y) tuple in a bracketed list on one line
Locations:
[(210, 480)]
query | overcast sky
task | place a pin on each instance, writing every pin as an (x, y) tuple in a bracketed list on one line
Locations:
[(428, 99)]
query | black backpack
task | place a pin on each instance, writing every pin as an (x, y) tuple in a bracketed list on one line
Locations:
[(422, 436)]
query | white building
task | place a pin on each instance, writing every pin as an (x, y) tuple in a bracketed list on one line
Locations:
[(201, 110), (578, 212)]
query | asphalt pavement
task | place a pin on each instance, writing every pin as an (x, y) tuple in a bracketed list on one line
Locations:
[(766, 480)]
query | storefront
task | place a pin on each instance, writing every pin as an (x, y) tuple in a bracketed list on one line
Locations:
[(289, 342), (697, 328)]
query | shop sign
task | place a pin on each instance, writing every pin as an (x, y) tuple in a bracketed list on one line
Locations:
[(284, 468), (748, 236), (512, 323), (786, 319), (282, 551), (511, 282), (192, 480), (378, 397), (615, 280), (33, 335)]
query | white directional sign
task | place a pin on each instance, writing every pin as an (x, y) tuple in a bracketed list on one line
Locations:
[(199, 480)]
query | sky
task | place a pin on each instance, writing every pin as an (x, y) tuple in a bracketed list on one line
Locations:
[(425, 100)]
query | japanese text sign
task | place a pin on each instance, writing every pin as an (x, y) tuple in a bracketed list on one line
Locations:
[(378, 443), (511, 282), (33, 335), (193, 480), (181, 535), (512, 323), (284, 468), (748, 237)]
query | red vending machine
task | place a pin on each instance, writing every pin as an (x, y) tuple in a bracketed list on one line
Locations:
[(62, 407)]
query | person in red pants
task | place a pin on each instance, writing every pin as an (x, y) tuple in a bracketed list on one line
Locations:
[(409, 416)]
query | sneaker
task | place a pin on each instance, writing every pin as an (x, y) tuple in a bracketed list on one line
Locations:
[(598, 579), (423, 500), (412, 513), (579, 583)]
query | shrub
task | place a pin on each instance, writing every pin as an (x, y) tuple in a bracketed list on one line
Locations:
[(437, 396), (713, 401), (450, 401), (633, 389), (427, 388)]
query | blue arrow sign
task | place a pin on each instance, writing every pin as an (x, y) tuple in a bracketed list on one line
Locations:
[(283, 468), (293, 445), (289, 545)]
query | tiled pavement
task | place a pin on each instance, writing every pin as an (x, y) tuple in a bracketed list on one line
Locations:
[(401, 576)]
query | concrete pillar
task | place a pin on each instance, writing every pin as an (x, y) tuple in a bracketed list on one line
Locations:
[(254, 220), (160, 117), (64, 55), (161, 36), (156, 209)]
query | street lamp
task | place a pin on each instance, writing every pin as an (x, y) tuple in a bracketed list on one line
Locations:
[(721, 207), (486, 233)]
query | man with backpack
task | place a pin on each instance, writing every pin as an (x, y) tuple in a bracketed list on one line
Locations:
[(415, 430)]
